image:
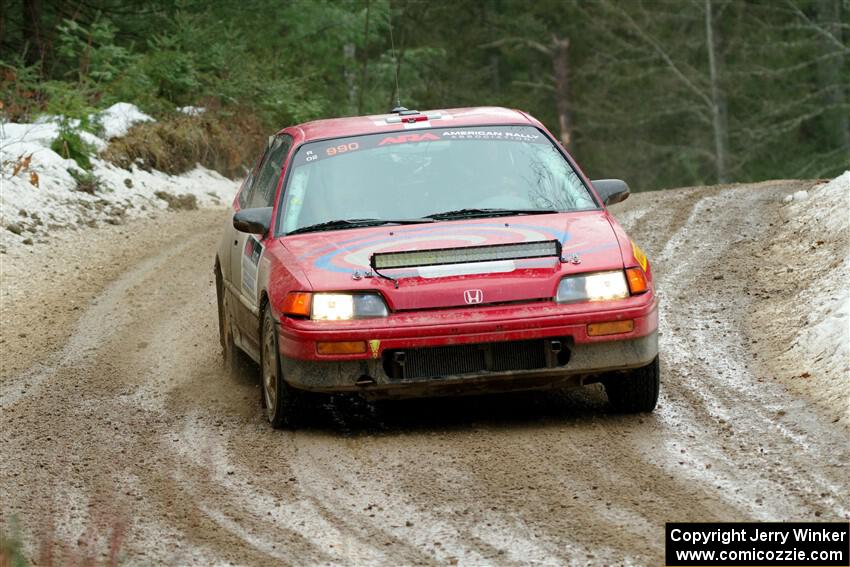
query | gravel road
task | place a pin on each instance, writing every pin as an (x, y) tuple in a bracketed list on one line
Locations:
[(116, 417)]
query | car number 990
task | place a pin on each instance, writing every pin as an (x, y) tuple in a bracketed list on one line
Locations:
[(342, 148)]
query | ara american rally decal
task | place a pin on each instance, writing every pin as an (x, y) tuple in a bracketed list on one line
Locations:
[(327, 149)]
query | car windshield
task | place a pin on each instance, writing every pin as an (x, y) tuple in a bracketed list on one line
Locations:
[(443, 172)]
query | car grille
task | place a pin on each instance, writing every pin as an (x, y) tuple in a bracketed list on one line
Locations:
[(467, 359)]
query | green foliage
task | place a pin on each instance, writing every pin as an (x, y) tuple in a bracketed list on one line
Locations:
[(639, 97), (70, 145), (69, 101), (171, 70), (135, 85), (19, 88), (94, 50)]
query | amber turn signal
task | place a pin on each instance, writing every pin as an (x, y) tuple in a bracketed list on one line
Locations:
[(610, 328), (637, 280), (297, 303), (342, 347)]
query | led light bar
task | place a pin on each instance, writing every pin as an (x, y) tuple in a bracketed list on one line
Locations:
[(464, 255)]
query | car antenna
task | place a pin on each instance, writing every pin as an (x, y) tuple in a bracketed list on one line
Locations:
[(398, 107)]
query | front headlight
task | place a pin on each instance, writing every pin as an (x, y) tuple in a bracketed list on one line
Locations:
[(593, 287), (344, 306)]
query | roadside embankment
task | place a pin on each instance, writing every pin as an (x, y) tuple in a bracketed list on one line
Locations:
[(805, 320), (49, 181)]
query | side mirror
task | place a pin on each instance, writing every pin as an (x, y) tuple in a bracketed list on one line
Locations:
[(253, 221), (611, 190)]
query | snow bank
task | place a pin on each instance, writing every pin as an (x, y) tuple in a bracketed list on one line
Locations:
[(818, 233), (38, 192), (42, 132), (118, 118), (114, 122)]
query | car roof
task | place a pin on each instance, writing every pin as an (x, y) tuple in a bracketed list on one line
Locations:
[(357, 125)]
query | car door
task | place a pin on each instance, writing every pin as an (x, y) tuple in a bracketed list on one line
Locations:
[(249, 248), (238, 238)]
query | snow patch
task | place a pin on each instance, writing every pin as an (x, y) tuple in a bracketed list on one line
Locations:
[(830, 207), (39, 191), (192, 110), (119, 118), (801, 195), (115, 122)]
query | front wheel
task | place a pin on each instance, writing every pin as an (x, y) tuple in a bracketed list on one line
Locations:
[(280, 399), (635, 391)]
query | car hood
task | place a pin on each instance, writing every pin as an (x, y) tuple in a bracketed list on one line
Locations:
[(339, 260)]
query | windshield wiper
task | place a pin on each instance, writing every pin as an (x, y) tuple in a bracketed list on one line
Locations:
[(355, 223), (472, 213)]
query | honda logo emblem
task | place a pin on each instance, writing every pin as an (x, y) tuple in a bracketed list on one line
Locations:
[(473, 296)]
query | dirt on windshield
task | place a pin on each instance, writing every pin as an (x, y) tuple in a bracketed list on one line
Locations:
[(118, 418)]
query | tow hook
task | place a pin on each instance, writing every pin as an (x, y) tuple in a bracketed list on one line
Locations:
[(364, 381)]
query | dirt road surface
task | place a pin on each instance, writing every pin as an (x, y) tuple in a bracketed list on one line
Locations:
[(115, 411)]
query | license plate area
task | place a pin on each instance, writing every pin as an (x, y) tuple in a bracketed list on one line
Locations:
[(457, 360)]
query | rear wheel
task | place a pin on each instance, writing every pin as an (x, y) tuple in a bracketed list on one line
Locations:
[(635, 391), (230, 353), (280, 399)]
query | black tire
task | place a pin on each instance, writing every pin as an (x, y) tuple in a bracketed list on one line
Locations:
[(635, 391), (232, 357), (219, 296), (282, 402)]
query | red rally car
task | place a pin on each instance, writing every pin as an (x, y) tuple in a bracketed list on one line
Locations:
[(432, 253)]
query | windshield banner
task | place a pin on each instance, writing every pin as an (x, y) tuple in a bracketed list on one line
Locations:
[(316, 151)]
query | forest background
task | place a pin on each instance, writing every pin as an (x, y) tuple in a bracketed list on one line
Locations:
[(662, 93)]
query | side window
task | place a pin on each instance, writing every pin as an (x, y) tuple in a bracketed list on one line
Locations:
[(263, 191), (248, 187)]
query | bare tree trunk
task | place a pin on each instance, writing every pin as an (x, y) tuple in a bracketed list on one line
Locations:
[(349, 71), (3, 8), (836, 119), (362, 88), (560, 65), (31, 30), (718, 99)]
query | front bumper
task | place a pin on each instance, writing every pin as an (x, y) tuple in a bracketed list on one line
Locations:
[(368, 377), (367, 373)]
